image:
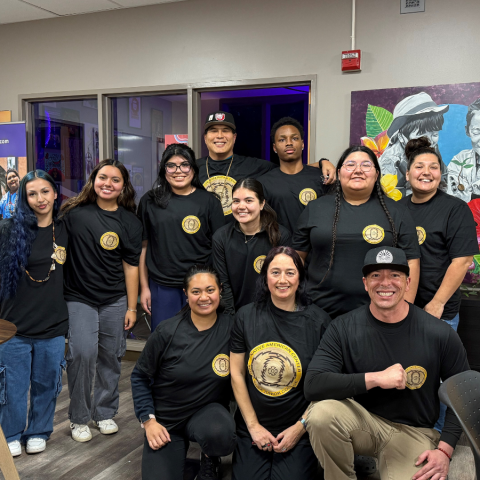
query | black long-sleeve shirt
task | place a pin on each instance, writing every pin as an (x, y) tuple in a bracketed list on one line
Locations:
[(238, 259), (356, 343)]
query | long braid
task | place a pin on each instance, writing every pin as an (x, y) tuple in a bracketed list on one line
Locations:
[(381, 199), (338, 196)]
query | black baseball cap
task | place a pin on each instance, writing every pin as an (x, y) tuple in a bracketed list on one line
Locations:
[(385, 257), (220, 118)]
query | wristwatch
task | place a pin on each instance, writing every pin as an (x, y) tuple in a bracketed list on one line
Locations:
[(303, 422), (145, 419)]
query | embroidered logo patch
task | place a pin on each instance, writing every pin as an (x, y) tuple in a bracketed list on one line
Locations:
[(384, 257), (221, 365), (191, 224), (275, 368), (307, 195), (421, 234), (109, 241), (416, 377), (258, 263), (373, 234), (220, 117)]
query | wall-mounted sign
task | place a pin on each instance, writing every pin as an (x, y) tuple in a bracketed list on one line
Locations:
[(13, 140)]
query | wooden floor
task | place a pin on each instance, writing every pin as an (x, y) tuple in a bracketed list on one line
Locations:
[(118, 456)]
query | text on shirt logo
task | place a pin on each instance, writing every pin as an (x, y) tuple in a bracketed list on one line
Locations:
[(416, 377), (109, 240), (421, 234), (191, 224), (222, 186), (221, 365), (307, 195), (373, 234), (258, 263)]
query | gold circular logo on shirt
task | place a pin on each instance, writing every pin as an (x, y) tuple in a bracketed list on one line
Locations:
[(60, 255), (258, 263), (421, 234), (416, 377), (307, 195), (109, 241), (222, 186), (373, 234), (191, 224), (275, 368), (221, 365)]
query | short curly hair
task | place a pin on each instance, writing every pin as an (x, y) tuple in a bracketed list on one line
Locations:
[(286, 121)]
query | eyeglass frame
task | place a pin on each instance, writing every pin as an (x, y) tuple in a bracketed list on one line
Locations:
[(359, 165), (178, 167)]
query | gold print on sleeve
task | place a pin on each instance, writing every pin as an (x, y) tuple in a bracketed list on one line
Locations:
[(373, 234), (275, 368), (109, 241), (191, 224), (221, 365), (416, 377)]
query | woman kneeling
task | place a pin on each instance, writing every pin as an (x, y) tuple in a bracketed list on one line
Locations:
[(181, 384)]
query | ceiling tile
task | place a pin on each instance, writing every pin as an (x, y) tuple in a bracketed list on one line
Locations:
[(74, 7), (12, 11), (142, 3)]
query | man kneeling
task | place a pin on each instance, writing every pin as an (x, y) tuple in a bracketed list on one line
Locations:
[(374, 381)]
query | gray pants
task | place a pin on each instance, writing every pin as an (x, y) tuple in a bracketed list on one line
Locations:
[(96, 343)]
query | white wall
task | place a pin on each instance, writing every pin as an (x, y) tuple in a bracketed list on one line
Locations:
[(204, 41)]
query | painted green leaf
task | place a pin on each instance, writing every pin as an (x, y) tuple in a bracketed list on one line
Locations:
[(477, 258), (456, 162), (467, 166), (377, 120), (476, 263)]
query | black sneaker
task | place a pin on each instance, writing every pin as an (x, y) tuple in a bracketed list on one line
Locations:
[(208, 468), (364, 466)]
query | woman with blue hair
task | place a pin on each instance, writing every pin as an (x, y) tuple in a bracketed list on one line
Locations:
[(32, 253)]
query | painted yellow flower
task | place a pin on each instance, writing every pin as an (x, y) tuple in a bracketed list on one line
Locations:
[(389, 182), (377, 144)]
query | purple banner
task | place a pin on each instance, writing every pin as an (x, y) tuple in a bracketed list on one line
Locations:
[(13, 140)]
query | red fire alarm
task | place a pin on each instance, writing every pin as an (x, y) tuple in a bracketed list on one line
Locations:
[(351, 60)]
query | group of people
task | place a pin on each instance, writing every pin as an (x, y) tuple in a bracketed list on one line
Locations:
[(301, 292)]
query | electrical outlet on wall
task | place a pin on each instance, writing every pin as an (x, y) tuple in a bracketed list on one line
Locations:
[(412, 6)]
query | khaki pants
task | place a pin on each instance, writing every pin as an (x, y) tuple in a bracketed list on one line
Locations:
[(340, 429)]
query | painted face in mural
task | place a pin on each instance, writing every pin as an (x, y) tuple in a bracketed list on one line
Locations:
[(473, 131), (288, 144), (432, 136), (358, 180), (220, 140), (425, 174), (180, 179)]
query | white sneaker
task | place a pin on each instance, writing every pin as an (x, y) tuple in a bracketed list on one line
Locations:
[(36, 445), (107, 427), (15, 448), (80, 433)]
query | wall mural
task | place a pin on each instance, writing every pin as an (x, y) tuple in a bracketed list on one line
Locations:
[(449, 115)]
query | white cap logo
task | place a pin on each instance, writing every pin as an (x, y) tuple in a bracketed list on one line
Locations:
[(210, 117), (220, 117), (384, 257)]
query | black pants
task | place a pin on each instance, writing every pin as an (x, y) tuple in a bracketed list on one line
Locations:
[(251, 463), (212, 427)]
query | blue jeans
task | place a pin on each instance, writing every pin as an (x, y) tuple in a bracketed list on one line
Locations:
[(35, 365), (166, 302), (443, 408)]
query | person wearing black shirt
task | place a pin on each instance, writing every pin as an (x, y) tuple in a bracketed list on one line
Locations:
[(446, 234), (240, 248), (179, 218), (181, 384), (272, 343), (361, 217), (375, 378), (101, 289), (291, 187), (221, 168), (32, 253)]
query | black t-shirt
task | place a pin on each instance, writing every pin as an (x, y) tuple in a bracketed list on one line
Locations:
[(190, 369), (288, 194), (217, 181), (38, 310), (359, 229), (357, 343), (446, 230), (278, 347), (180, 235), (99, 241), (238, 260)]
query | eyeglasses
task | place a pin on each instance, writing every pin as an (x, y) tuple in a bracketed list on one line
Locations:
[(351, 166), (183, 167)]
